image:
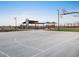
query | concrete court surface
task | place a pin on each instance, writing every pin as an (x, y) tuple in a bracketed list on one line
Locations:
[(39, 43)]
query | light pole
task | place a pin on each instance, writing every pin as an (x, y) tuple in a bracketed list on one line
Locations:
[(58, 19), (27, 23), (15, 23)]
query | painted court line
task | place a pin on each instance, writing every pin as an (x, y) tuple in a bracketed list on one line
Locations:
[(46, 50), (51, 48), (4, 53), (27, 45)]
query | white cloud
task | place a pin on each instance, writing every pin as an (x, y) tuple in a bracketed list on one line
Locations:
[(34, 15)]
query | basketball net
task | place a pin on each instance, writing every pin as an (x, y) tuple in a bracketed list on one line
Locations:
[(75, 15), (61, 16)]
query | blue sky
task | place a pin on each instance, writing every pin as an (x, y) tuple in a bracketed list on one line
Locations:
[(37, 10)]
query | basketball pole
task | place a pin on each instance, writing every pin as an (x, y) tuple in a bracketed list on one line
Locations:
[(58, 19)]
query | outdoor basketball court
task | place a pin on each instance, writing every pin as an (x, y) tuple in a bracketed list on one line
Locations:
[(39, 43)]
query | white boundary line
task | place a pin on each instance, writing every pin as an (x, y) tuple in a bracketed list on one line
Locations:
[(27, 45), (4, 53), (42, 51), (50, 48), (46, 50)]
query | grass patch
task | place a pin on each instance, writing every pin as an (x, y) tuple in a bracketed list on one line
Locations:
[(8, 30), (66, 29)]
